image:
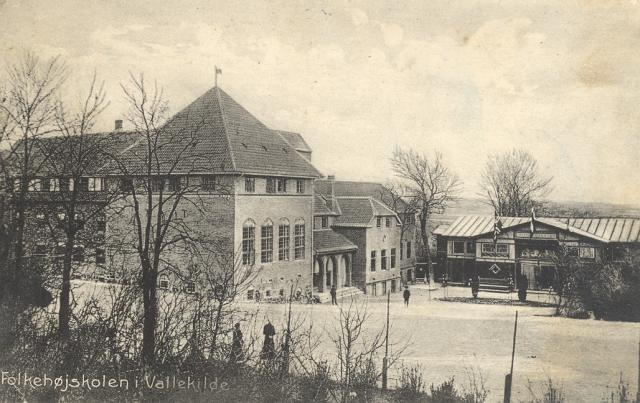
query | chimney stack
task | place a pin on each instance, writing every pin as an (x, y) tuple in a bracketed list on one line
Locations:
[(118, 125), (332, 182)]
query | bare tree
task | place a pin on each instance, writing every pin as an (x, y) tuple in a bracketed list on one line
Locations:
[(28, 97), (157, 180), (70, 177), (513, 184), (429, 184)]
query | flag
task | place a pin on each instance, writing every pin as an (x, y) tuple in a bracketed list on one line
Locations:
[(218, 70), (533, 218), (497, 227)]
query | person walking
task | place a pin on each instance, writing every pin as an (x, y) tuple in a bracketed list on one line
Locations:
[(237, 344), (334, 301), (268, 347), (406, 294)]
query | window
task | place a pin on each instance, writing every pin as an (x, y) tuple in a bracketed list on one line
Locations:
[(401, 250), (383, 259), (83, 184), (379, 222), (471, 248), (157, 185), (587, 252), (190, 287), (250, 293), (266, 242), (54, 185), (501, 249), (209, 183), (271, 185), (163, 282), (393, 258), (458, 247), (100, 256), (299, 241), (174, 184), (283, 240), (79, 219), (324, 222), (96, 184), (282, 185), (78, 254), (387, 222), (408, 249), (248, 243), (45, 185), (384, 287), (40, 216), (373, 260), (34, 185), (126, 185), (249, 185), (300, 186)]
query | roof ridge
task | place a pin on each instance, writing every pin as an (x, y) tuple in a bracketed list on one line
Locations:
[(224, 125)]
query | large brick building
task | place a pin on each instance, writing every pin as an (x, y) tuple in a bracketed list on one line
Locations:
[(250, 187)]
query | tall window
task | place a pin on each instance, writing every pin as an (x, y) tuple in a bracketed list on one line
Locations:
[(209, 183), (248, 243), (266, 242), (83, 184), (388, 222), (250, 185), (95, 184), (383, 259), (324, 222), (393, 258), (284, 240), (282, 185), (402, 250), (408, 249), (271, 185), (157, 184), (174, 184), (299, 242), (379, 222), (300, 186), (373, 260)]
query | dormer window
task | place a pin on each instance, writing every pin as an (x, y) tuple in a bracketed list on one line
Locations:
[(325, 222)]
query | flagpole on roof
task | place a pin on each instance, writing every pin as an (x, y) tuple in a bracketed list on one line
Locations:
[(217, 71)]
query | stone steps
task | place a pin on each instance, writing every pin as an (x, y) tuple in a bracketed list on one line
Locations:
[(341, 294)]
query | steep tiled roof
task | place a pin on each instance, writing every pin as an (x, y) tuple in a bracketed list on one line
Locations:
[(216, 134), (360, 189), (320, 206), (295, 140), (623, 230), (327, 240), (359, 211)]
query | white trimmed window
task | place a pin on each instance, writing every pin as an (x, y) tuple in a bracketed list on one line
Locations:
[(248, 243), (282, 185), (299, 240), (393, 258), (300, 186), (284, 235), (373, 260), (96, 184), (266, 242), (190, 287), (383, 259)]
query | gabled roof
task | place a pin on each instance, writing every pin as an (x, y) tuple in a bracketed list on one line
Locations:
[(620, 230), (295, 140), (360, 189), (321, 206), (359, 211), (215, 134), (327, 240)]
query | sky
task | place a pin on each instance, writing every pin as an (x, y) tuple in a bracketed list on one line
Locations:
[(358, 78)]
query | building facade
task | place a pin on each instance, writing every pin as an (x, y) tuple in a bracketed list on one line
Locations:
[(527, 246)]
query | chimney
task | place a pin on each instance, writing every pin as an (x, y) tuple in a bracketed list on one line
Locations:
[(118, 125), (332, 182)]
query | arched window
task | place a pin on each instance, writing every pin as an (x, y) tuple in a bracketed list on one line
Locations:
[(266, 242), (284, 239), (249, 243), (299, 239)]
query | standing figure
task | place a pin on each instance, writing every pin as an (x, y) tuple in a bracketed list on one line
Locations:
[(406, 294), (237, 344), (268, 348), (475, 286), (334, 301)]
